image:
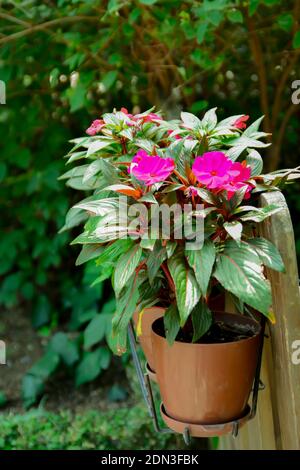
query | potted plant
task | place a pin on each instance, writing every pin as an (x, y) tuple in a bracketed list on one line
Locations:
[(173, 221)]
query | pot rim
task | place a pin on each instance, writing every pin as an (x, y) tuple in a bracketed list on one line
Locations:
[(240, 341)]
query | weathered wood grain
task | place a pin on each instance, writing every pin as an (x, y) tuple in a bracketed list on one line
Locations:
[(277, 423)]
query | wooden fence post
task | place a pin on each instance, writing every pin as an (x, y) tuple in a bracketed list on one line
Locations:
[(277, 424)]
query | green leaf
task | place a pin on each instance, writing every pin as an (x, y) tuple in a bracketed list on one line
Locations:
[(241, 209), (155, 260), (234, 152), (105, 273), (148, 197), (244, 141), (32, 388), (96, 330), (180, 155), (92, 170), (126, 305), (145, 144), (105, 357), (147, 243), (198, 106), (235, 16), (3, 399), (74, 217), (202, 262), (210, 120), (255, 161), (170, 248), (77, 97), (86, 238), (117, 394), (117, 341), (261, 214), (41, 312), (171, 323), (45, 366), (200, 34), (90, 366), (66, 349), (74, 61), (238, 197), (253, 128), (3, 171), (98, 145), (186, 287), (111, 253), (190, 120), (215, 17), (285, 21), (74, 172), (253, 5), (87, 253), (114, 5), (109, 173), (206, 195), (125, 267), (296, 40), (109, 79), (268, 253), (148, 2), (202, 320), (234, 229), (100, 206), (239, 270)]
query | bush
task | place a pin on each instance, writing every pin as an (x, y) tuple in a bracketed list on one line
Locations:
[(122, 429)]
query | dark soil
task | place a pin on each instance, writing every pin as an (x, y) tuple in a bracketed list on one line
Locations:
[(221, 332), (218, 333), (24, 347)]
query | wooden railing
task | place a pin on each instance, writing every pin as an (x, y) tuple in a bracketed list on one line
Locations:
[(277, 422)]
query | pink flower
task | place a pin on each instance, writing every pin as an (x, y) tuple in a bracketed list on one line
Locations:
[(177, 136), (95, 127), (151, 117), (125, 111), (240, 123), (141, 118), (151, 168), (214, 170), (239, 181)]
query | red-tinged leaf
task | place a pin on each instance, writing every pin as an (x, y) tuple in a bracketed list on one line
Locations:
[(124, 189)]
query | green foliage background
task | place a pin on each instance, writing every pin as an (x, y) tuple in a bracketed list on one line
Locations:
[(66, 62), (40, 430)]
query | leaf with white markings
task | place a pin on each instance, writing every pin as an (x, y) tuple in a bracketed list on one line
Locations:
[(268, 253), (190, 120), (261, 214), (255, 161), (126, 266), (202, 262), (234, 229), (186, 287), (98, 145), (239, 270)]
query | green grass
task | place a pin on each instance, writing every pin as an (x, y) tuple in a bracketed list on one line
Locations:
[(122, 429)]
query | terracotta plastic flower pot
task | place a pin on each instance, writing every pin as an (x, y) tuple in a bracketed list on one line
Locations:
[(148, 317), (206, 383)]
